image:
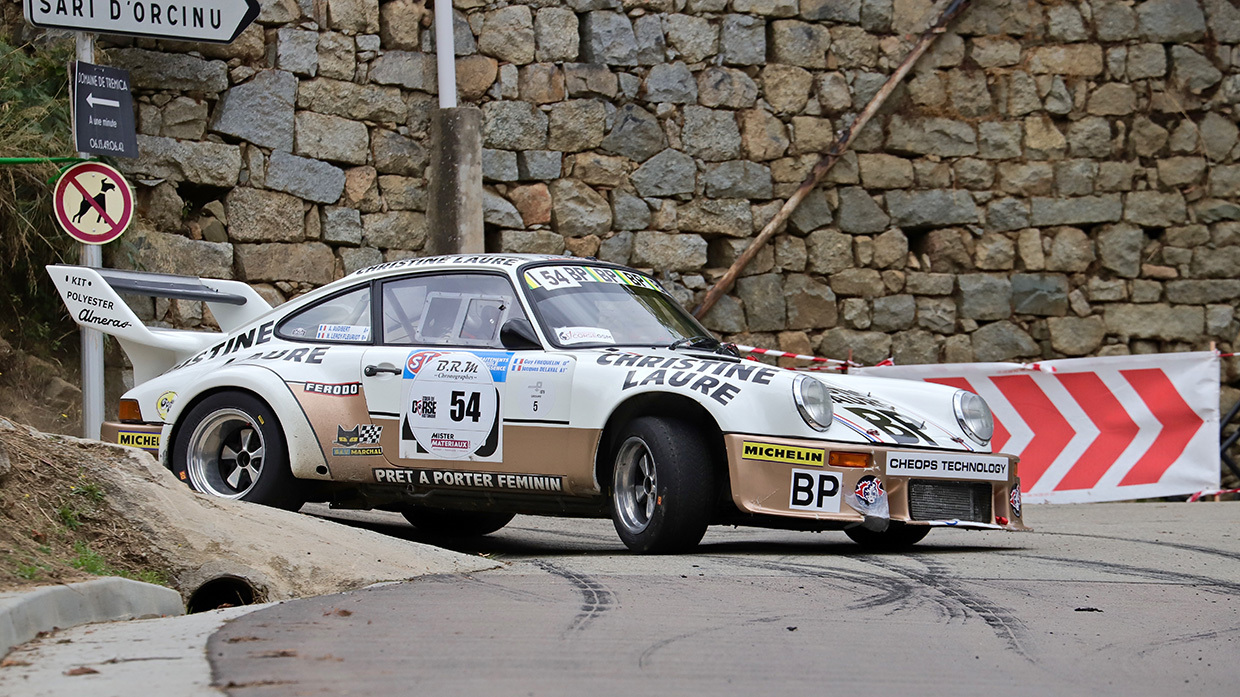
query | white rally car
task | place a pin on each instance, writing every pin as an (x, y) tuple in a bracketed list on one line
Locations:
[(462, 390)]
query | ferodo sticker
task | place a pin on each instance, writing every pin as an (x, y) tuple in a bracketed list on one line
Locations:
[(337, 389), (450, 407), (139, 439), (770, 452), (815, 490)]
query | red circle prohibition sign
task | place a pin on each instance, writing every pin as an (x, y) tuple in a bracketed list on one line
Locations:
[(93, 203)]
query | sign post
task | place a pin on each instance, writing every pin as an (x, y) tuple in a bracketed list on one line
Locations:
[(92, 339), (212, 21)]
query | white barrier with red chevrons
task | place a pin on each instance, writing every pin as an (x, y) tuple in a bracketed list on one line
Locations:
[(1097, 429)]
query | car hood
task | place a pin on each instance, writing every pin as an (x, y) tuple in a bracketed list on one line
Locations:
[(867, 410)]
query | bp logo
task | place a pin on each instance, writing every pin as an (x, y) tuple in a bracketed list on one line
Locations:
[(164, 404)]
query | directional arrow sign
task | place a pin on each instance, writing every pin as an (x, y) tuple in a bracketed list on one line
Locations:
[(103, 121), (215, 21), (94, 102), (1097, 429)]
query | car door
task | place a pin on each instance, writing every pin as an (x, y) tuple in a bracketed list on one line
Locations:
[(437, 376)]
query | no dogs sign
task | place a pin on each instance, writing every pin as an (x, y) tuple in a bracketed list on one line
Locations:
[(93, 203)]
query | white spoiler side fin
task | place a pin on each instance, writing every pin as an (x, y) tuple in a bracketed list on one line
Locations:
[(93, 299)]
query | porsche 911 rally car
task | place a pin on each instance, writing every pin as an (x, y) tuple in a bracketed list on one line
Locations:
[(461, 390)]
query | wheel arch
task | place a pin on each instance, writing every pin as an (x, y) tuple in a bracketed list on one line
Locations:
[(305, 454), (661, 404)]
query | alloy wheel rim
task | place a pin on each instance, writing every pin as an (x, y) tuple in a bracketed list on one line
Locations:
[(226, 454), (636, 484)]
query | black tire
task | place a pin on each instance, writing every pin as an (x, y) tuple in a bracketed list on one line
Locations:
[(443, 522), (662, 486), (231, 445), (896, 536)]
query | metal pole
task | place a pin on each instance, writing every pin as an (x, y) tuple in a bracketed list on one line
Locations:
[(445, 54), (92, 340)]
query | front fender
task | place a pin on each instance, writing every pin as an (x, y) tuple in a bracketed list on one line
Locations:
[(306, 457)]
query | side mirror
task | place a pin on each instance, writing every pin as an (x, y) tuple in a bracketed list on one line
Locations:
[(518, 334)]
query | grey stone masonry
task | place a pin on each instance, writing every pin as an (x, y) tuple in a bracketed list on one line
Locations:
[(1052, 179)]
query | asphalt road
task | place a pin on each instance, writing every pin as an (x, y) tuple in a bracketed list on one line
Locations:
[(1134, 599)]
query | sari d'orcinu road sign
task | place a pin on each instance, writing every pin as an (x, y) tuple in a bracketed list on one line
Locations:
[(215, 21)]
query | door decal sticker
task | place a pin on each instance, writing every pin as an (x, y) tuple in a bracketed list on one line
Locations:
[(450, 406)]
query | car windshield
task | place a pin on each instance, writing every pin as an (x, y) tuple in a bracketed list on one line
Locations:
[(600, 306)]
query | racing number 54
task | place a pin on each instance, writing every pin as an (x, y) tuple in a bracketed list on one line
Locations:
[(462, 407)]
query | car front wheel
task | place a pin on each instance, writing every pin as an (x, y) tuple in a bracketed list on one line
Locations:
[(231, 445), (896, 536), (662, 486)]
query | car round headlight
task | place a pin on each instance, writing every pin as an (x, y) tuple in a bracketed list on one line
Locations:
[(813, 401), (974, 416)]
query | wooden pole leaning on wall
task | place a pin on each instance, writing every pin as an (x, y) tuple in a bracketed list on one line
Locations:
[(833, 155)]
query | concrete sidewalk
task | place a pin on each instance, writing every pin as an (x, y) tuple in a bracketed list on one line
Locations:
[(164, 656), (23, 614)]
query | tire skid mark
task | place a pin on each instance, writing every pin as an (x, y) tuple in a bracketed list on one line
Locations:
[(518, 593), (1213, 585), (1188, 639), (1235, 556), (937, 576), (897, 594), (596, 598), (664, 643)]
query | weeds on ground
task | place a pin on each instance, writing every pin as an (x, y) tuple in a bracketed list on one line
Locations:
[(56, 524)]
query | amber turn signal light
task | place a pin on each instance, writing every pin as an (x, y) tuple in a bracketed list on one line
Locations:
[(843, 459), (129, 411)]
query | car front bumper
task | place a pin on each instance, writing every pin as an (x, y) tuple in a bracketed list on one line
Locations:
[(795, 480), (145, 436)]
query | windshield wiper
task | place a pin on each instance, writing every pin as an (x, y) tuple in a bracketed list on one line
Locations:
[(699, 342), (721, 351)]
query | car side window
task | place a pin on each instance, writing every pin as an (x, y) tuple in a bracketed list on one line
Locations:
[(460, 309), (342, 319)]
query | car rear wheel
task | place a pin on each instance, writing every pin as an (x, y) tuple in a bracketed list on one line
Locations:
[(231, 445), (896, 536), (449, 523), (662, 486)]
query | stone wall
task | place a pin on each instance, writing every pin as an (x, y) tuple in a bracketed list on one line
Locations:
[(1055, 179)]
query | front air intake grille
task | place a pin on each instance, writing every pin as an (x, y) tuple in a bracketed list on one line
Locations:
[(931, 500)]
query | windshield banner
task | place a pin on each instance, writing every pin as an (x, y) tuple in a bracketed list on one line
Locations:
[(560, 277)]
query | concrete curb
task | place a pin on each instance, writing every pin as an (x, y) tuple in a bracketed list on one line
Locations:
[(23, 614)]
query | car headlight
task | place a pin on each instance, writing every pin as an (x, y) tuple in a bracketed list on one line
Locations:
[(813, 401), (973, 415)]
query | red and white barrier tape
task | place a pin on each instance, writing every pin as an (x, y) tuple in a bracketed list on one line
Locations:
[(1211, 492), (836, 364), (784, 354)]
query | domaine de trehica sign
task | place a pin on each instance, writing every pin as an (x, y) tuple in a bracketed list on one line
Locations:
[(215, 21)]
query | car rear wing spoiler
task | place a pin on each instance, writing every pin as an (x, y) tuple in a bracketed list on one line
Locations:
[(93, 299)]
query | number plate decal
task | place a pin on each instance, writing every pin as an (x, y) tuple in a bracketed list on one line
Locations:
[(450, 408)]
